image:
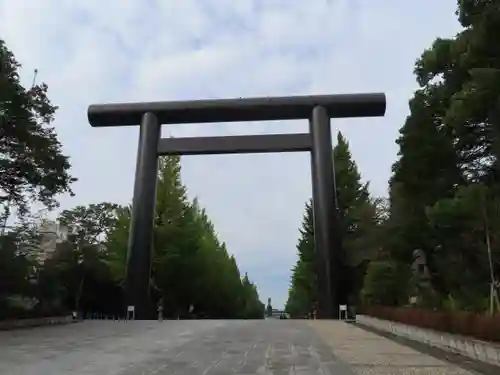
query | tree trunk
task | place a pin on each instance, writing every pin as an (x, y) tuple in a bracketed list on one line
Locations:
[(79, 293)]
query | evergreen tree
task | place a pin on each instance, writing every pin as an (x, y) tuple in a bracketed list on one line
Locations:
[(32, 165), (449, 148), (303, 289), (191, 267), (358, 224)]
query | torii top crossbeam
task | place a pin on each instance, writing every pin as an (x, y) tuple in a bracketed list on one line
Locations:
[(235, 110)]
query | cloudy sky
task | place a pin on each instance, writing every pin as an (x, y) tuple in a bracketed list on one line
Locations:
[(143, 50)]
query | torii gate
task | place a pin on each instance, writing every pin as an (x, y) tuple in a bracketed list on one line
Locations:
[(318, 109)]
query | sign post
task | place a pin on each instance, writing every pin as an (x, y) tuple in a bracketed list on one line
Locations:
[(343, 309), (130, 312)]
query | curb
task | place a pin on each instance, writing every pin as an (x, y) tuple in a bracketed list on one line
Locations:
[(460, 360)]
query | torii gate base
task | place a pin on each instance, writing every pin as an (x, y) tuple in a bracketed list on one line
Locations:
[(317, 109)]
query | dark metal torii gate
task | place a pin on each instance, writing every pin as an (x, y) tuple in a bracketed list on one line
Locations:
[(318, 109)]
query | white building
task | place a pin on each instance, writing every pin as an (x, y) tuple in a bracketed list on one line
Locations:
[(51, 233)]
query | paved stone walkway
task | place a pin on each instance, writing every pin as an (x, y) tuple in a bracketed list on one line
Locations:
[(271, 347), (371, 354)]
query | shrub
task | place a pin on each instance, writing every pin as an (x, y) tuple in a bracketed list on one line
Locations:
[(478, 326)]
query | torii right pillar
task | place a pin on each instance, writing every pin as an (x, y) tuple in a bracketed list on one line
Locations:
[(328, 243)]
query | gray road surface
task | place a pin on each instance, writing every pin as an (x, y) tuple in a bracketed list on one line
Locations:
[(274, 347)]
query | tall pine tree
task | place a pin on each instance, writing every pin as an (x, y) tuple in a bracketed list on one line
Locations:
[(357, 218), (303, 288)]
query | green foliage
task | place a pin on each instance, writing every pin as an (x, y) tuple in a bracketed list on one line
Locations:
[(90, 224), (444, 187), (303, 290), (465, 224), (360, 221), (116, 244), (360, 217), (191, 267), (14, 268), (386, 283), (32, 166)]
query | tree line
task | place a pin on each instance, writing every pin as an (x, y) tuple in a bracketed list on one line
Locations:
[(434, 242), (193, 274)]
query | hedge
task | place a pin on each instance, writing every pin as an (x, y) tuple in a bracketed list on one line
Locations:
[(19, 313), (479, 326)]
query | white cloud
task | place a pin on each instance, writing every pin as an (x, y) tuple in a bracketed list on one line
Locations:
[(124, 50)]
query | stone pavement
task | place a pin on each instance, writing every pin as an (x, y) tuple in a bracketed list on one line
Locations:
[(482, 354), (196, 347), (370, 354)]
